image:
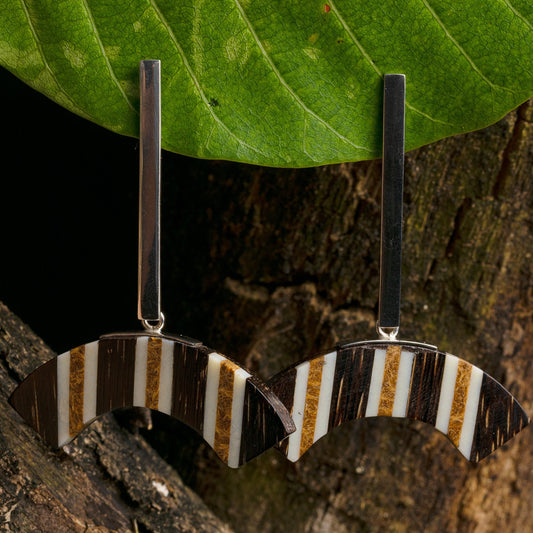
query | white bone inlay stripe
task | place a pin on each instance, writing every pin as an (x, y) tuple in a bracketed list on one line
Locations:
[(63, 387), (237, 408), (447, 390), (211, 397), (298, 409), (139, 383), (324, 400), (89, 382), (165, 376), (469, 420), (376, 381), (403, 385)]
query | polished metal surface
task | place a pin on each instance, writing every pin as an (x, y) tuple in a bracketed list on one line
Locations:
[(389, 334), (391, 201), (149, 284), (189, 341), (383, 342)]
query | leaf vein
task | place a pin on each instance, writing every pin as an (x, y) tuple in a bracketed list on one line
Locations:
[(367, 56), (287, 86), (461, 49), (304, 141), (196, 83), (354, 39), (47, 66), (429, 117), (518, 14), (108, 63)]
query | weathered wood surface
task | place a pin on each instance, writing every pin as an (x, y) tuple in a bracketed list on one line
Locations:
[(109, 480), (293, 268), (277, 265)]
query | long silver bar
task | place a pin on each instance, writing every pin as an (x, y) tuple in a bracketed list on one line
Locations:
[(149, 282), (392, 205)]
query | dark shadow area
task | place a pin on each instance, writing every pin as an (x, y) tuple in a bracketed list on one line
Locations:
[(69, 216)]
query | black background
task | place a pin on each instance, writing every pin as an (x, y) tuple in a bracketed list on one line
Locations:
[(69, 207)]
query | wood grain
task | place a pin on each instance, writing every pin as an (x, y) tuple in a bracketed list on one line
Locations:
[(499, 416), (426, 380), (36, 402), (224, 405), (101, 483), (459, 401), (153, 371), (390, 377), (77, 375), (118, 368), (311, 403)]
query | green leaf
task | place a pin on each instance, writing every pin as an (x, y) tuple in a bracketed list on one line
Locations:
[(276, 82)]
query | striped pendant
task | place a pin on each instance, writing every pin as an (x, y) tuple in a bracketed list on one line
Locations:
[(403, 380), (235, 412)]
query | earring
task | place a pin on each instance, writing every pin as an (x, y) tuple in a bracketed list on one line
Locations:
[(234, 411), (390, 377)]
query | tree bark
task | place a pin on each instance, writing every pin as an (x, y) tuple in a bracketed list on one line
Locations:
[(294, 269), (278, 265), (109, 480)]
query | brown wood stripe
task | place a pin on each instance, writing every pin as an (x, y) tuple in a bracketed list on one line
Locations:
[(460, 395), (311, 403), (188, 385), (426, 382), (499, 418), (283, 387), (76, 383), (224, 405), (153, 371), (116, 374), (390, 377), (353, 372), (35, 399)]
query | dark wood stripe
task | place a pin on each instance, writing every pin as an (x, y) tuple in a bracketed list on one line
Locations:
[(224, 405), (153, 371), (351, 385), (265, 423), (76, 384), (115, 375), (188, 385), (36, 401), (499, 418), (283, 387), (426, 381)]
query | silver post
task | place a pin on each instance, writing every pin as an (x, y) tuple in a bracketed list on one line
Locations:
[(149, 284), (392, 205)]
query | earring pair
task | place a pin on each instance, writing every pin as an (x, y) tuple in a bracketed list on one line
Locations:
[(238, 414)]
